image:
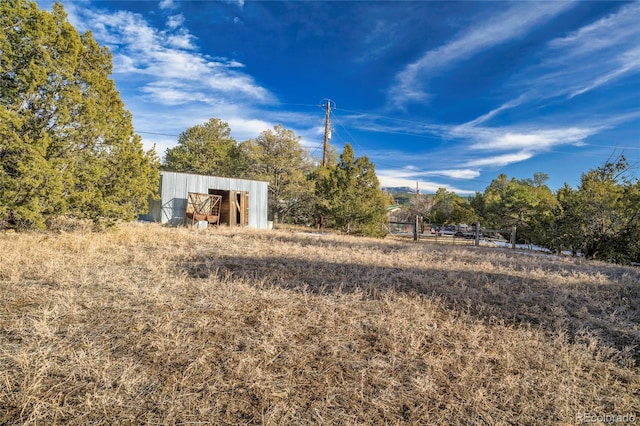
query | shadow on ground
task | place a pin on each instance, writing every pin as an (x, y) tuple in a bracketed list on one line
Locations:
[(610, 310)]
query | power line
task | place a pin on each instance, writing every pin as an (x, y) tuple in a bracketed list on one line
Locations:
[(611, 146), (347, 132), (581, 153), (158, 134), (389, 165), (436, 127), (306, 105), (387, 118)]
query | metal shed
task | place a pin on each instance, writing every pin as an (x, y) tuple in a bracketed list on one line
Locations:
[(244, 202)]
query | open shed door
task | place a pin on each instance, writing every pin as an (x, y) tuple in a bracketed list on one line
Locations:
[(241, 208), (234, 210)]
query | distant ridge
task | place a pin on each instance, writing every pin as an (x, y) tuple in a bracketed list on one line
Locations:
[(398, 190)]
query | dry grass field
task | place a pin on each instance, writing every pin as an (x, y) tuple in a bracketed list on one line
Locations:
[(152, 325)]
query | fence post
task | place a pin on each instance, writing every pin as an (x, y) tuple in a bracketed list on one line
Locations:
[(513, 237), (477, 234), (415, 229)]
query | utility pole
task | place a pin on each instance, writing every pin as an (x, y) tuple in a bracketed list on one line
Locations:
[(416, 231), (325, 152)]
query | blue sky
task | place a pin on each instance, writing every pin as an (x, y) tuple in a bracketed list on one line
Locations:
[(443, 94)]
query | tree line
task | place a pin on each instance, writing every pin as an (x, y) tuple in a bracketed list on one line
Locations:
[(600, 219), (345, 195), (67, 145), (68, 149)]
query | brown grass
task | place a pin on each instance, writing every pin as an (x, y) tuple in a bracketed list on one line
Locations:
[(151, 325)]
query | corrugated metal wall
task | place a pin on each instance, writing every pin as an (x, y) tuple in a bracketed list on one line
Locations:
[(175, 186)]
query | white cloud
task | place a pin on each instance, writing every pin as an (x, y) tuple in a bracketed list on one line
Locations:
[(628, 62), (414, 172), (613, 41), (172, 93), (533, 141), (379, 40), (174, 72), (454, 173), (166, 4), (606, 50), (181, 40), (239, 3), (500, 160), (247, 128), (175, 21), (614, 30), (392, 178), (175, 86), (505, 106), (514, 23)]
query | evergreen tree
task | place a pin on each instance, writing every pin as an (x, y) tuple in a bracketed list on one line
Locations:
[(527, 204), (67, 144), (601, 218), (349, 196), (206, 149)]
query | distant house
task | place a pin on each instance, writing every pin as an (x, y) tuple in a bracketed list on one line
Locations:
[(244, 202)]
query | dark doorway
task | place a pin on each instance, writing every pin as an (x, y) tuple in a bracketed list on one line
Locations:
[(235, 207)]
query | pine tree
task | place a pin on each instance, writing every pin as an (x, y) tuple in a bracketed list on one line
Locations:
[(67, 144), (527, 204), (601, 218), (350, 197), (206, 149)]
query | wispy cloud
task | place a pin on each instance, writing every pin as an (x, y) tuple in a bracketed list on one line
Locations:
[(175, 21), (607, 50), (239, 3), (379, 40), (174, 71), (469, 149), (454, 173), (628, 62), (501, 146), (613, 40), (534, 141), (167, 4), (408, 178), (617, 29), (500, 160), (505, 106), (168, 72), (410, 83)]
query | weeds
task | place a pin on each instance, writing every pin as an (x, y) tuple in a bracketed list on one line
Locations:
[(152, 325)]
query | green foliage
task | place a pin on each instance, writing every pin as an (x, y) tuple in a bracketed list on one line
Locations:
[(66, 142), (450, 208), (601, 218), (277, 157), (207, 149), (349, 196), (527, 204)]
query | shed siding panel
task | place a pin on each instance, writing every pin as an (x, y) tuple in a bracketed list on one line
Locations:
[(174, 188)]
